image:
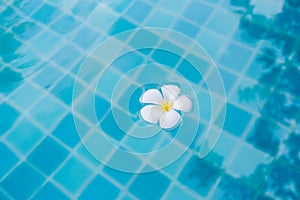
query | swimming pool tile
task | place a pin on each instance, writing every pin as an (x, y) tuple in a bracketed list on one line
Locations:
[(8, 46), (24, 136), (121, 25), (49, 192), (8, 16), (251, 169), (27, 6), (8, 117), (66, 131), (197, 12), (67, 57), (128, 61), (22, 188), (100, 188), (111, 128), (4, 196), (120, 6), (27, 30), (178, 192), (108, 76), (46, 13), (149, 185), (236, 120), (138, 11), (121, 177), (86, 37), (165, 57), (65, 25), (232, 188), (172, 6), (102, 17), (223, 22), (50, 106), (229, 79), (26, 96), (186, 27), (159, 18), (228, 58), (66, 175), (48, 155), (143, 38), (289, 82), (101, 106), (199, 175), (7, 160), (64, 89), (189, 71), (51, 72), (47, 43), (283, 181), (291, 149), (266, 136), (83, 8), (9, 80)]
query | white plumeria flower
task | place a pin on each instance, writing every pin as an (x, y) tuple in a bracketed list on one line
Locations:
[(164, 106)]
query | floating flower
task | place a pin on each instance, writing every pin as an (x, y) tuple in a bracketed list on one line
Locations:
[(165, 106)]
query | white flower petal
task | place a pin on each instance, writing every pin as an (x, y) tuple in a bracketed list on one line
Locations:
[(152, 96), (169, 119), (170, 92), (151, 113), (183, 103)]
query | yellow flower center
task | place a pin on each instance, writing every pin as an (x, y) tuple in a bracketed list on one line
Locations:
[(166, 106)]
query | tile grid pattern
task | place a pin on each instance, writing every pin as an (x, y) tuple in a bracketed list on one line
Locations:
[(46, 130)]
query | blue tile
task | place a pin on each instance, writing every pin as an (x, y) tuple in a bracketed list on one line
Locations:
[(100, 188), (228, 79), (83, 8), (197, 12), (86, 37), (26, 30), (65, 176), (121, 6), (139, 11), (121, 25), (50, 106), (121, 177), (46, 14), (66, 131), (291, 150), (24, 136), (187, 28), (64, 89), (283, 181), (172, 6), (49, 192), (231, 188), (26, 96), (65, 25), (107, 82), (236, 120), (235, 57), (48, 155), (128, 61), (223, 22), (149, 185), (4, 196), (111, 128), (22, 182), (178, 192), (8, 45), (7, 160), (26, 6), (211, 42), (8, 117), (101, 106), (47, 43), (8, 16), (49, 71), (290, 81), (65, 57), (9, 80), (270, 140), (165, 57), (189, 71), (199, 175), (159, 18)]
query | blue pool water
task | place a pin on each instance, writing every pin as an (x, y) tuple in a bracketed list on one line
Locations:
[(70, 126)]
